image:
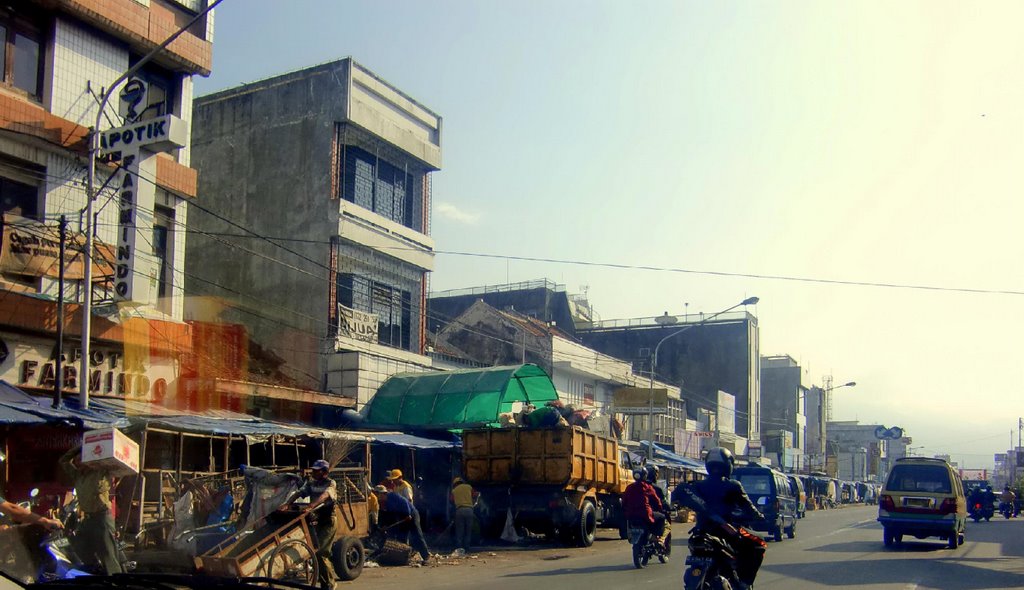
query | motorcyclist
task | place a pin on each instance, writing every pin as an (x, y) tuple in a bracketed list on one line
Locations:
[(642, 507), (660, 516), (715, 500), (1006, 498)]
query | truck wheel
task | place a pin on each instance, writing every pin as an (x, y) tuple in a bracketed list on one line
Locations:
[(586, 527), (348, 555)]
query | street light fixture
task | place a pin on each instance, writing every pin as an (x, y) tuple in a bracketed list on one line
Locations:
[(654, 366), (90, 196)]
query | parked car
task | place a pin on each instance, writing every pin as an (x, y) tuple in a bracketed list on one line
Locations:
[(924, 498), (770, 490), (796, 487)]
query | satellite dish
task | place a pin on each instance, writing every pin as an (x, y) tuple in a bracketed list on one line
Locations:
[(666, 320)]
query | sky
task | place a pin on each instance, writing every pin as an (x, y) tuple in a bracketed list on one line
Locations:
[(858, 166)]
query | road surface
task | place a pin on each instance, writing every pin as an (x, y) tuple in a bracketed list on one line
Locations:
[(834, 548)]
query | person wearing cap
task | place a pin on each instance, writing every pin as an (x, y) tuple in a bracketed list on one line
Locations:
[(398, 512), (323, 493), (401, 486), (464, 497)]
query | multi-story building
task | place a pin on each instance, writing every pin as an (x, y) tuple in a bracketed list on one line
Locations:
[(324, 174), (720, 355), (861, 451), (60, 55), (783, 411)]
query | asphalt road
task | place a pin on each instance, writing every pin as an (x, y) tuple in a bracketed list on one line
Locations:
[(835, 548)]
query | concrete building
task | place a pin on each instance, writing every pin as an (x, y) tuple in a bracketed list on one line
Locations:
[(583, 377), (860, 451), (541, 299), (783, 412), (327, 169), (712, 356), (60, 54)]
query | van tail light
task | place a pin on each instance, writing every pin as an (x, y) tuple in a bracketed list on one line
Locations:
[(886, 503), (948, 506)]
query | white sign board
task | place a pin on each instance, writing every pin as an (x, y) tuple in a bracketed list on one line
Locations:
[(131, 148), (357, 324)]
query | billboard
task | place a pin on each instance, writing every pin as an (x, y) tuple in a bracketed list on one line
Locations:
[(640, 400)]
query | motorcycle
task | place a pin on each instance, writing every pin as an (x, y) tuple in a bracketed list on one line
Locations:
[(711, 564), (1006, 509), (980, 510), (646, 546)]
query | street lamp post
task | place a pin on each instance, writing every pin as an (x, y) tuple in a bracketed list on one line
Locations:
[(90, 196), (654, 366)]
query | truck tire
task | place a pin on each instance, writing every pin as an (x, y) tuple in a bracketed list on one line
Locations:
[(586, 526)]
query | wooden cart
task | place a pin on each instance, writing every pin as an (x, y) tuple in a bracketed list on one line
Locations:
[(279, 546), (283, 546)]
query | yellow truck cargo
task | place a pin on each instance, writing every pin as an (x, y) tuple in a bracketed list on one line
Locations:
[(558, 481)]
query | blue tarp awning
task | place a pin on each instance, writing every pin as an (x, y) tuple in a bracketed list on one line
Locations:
[(411, 441), (18, 407), (674, 459)]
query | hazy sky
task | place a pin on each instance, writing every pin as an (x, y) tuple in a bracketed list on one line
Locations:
[(870, 142)]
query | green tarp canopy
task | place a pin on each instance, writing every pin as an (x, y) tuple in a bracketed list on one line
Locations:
[(457, 399)]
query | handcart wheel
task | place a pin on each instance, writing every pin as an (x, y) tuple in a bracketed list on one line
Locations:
[(294, 561)]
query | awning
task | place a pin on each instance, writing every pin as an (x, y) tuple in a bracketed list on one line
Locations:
[(411, 441), (457, 399), (18, 407), (213, 421), (674, 459)]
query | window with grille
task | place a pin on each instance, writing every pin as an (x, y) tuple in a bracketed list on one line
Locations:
[(391, 305), (377, 185)]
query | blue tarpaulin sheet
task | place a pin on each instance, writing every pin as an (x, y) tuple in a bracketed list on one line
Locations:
[(675, 459), (18, 407), (410, 440)]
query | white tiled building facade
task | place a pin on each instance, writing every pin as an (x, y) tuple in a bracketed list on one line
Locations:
[(82, 49)]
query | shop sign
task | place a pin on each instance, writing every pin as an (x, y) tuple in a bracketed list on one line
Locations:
[(357, 324), (132, 148), (109, 373), (30, 248)]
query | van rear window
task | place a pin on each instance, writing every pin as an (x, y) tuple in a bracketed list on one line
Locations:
[(756, 484), (933, 479)]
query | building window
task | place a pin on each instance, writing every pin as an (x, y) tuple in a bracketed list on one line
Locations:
[(391, 305), (21, 53), (163, 251), (377, 185), (19, 199)]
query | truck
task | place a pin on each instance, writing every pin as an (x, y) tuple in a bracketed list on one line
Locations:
[(561, 482)]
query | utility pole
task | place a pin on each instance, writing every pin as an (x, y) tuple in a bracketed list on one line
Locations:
[(58, 380)]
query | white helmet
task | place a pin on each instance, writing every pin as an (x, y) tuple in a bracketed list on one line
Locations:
[(719, 461)]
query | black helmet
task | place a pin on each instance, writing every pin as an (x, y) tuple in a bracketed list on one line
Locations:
[(652, 473), (719, 462), (638, 474)]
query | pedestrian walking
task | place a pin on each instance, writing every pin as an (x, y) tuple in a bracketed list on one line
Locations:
[(95, 534)]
